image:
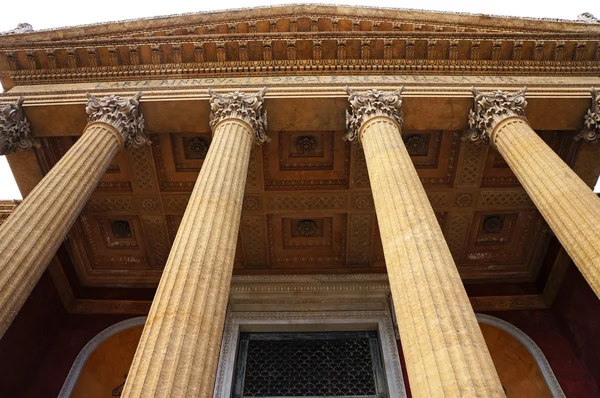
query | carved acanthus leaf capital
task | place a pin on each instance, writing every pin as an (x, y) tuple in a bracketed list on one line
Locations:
[(489, 109), (364, 106), (121, 113), (591, 122), (15, 131), (239, 105)]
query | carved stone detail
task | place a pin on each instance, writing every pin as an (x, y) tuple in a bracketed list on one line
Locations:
[(251, 203), (306, 145), (110, 205), (417, 144), (360, 233), (15, 131), (587, 17), (21, 28), (489, 109), (464, 199), (307, 202), (121, 113), (239, 105), (255, 251), (493, 224), (156, 234), (591, 129), (456, 231), (307, 228), (504, 199), (195, 148), (365, 106)]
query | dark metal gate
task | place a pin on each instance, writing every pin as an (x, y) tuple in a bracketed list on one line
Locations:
[(334, 364)]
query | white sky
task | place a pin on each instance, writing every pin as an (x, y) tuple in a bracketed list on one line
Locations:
[(45, 14)]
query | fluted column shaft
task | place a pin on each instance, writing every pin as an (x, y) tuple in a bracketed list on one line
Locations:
[(568, 205), (32, 234), (446, 355), (179, 349)]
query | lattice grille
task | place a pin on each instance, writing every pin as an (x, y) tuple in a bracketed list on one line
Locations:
[(308, 365)]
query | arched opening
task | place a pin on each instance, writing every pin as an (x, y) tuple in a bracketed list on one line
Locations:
[(521, 365), (101, 367)]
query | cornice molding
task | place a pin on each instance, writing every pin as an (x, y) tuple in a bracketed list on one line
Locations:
[(370, 104), (490, 109), (239, 105), (121, 113), (314, 12), (15, 130), (591, 129)]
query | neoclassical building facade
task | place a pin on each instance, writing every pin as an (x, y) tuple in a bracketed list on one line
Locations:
[(302, 201)]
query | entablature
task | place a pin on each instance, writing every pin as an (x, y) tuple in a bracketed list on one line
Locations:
[(430, 102)]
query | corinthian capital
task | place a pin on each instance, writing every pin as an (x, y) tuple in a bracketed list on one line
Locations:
[(121, 113), (364, 106), (238, 105), (591, 122), (489, 109), (15, 131)]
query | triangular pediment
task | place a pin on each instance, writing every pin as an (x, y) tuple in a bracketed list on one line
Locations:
[(317, 38), (319, 17)]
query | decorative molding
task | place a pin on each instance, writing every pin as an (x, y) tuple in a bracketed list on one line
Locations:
[(239, 105), (313, 320), (364, 106), (90, 347), (533, 349), (298, 290), (121, 113), (591, 130), (15, 130), (489, 109)]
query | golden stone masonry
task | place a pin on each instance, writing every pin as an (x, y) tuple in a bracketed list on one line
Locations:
[(302, 176)]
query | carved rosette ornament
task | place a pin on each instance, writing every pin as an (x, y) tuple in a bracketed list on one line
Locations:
[(591, 123), (15, 131), (373, 103), (239, 105), (489, 109), (121, 113)]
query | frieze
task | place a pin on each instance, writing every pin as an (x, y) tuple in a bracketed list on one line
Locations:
[(280, 85)]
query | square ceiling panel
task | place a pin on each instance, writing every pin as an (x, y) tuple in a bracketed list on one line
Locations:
[(306, 160)]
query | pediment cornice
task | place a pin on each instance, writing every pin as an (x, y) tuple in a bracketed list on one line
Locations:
[(292, 39)]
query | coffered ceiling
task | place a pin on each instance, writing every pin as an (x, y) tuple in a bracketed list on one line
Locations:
[(307, 208)]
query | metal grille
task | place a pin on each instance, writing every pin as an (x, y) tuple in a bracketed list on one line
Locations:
[(309, 365)]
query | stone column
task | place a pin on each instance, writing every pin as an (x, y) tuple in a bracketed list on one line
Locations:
[(179, 348), (568, 205), (446, 355), (31, 235)]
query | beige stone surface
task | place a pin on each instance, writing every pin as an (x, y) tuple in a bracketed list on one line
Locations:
[(179, 349), (446, 355), (568, 205), (32, 234)]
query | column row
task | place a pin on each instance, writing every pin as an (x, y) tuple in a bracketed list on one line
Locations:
[(177, 356)]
